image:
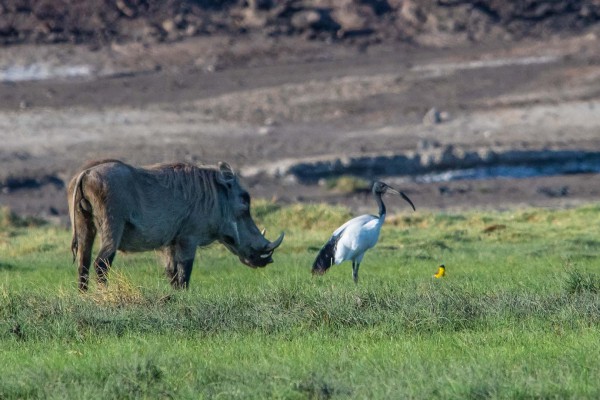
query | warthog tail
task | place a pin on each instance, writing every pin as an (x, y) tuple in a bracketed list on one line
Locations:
[(76, 202)]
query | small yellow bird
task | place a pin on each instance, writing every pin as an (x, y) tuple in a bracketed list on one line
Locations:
[(441, 272)]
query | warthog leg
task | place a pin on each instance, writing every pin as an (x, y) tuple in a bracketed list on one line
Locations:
[(184, 271), (85, 242), (103, 262), (179, 263), (178, 272), (170, 264), (111, 235)]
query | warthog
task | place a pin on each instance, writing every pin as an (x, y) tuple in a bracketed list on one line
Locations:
[(173, 207)]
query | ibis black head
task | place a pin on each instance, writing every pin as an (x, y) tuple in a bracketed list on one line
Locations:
[(380, 188)]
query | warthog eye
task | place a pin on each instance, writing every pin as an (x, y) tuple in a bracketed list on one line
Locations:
[(245, 198)]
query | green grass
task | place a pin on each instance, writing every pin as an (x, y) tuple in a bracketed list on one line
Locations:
[(518, 315)]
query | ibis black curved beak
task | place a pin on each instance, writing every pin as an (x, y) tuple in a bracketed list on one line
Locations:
[(405, 197)]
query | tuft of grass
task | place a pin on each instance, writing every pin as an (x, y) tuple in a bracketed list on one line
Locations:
[(10, 220), (578, 282), (306, 217), (119, 292), (317, 387), (262, 208), (347, 184)]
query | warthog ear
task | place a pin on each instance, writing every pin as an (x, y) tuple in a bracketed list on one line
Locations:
[(226, 173)]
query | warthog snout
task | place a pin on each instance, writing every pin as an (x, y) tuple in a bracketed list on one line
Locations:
[(263, 256)]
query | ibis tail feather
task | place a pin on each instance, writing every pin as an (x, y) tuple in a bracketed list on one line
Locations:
[(326, 257)]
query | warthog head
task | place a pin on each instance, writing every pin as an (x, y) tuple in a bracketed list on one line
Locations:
[(237, 231)]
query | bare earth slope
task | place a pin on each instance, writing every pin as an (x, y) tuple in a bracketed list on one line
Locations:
[(269, 102)]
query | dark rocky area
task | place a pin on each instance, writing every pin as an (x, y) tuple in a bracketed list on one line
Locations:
[(430, 22)]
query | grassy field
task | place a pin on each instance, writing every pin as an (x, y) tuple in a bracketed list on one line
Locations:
[(518, 315)]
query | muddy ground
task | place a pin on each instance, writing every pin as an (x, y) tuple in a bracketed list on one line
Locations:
[(260, 103)]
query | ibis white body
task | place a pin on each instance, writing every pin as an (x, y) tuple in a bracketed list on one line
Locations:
[(357, 236)]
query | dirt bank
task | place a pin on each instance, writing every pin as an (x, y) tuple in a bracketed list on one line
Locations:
[(257, 100)]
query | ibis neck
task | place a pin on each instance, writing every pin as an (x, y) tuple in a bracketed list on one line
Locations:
[(381, 205)]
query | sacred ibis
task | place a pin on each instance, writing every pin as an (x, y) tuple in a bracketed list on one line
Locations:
[(351, 240)]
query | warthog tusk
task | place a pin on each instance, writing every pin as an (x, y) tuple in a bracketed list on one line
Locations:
[(263, 232), (266, 255), (273, 245)]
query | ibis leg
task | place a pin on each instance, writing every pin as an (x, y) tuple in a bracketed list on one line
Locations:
[(355, 266)]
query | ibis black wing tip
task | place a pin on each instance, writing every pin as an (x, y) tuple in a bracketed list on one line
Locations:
[(325, 258), (322, 263)]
